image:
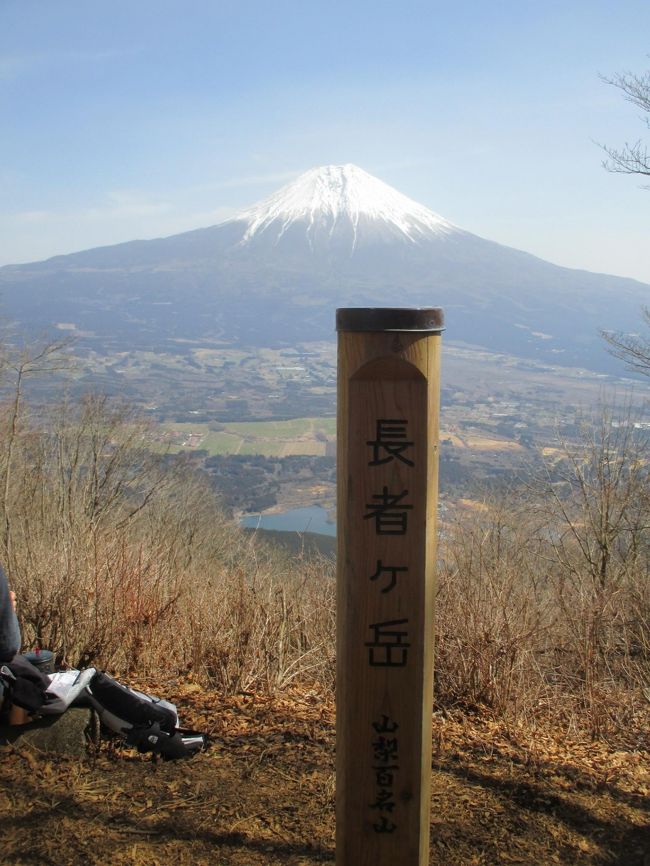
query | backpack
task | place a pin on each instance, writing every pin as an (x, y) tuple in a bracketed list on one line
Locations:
[(149, 724), (21, 685)]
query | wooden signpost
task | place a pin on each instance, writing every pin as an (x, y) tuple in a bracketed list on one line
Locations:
[(387, 454)]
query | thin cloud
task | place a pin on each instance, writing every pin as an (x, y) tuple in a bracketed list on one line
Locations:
[(32, 217), (120, 205), (18, 65), (13, 67), (249, 180)]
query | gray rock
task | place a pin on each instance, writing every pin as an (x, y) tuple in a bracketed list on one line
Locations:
[(68, 734)]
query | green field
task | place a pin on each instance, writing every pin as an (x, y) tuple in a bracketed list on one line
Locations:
[(307, 436)]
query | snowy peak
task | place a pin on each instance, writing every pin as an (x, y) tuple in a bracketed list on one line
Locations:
[(341, 199)]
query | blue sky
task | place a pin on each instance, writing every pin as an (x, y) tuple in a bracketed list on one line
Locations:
[(140, 119)]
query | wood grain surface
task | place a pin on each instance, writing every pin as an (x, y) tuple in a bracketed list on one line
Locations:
[(387, 496)]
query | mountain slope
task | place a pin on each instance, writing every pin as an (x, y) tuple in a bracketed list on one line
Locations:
[(274, 274)]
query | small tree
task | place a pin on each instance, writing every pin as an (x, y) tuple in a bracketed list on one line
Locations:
[(16, 366), (594, 508), (633, 158)]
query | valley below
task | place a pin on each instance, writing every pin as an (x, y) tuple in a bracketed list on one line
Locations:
[(262, 422)]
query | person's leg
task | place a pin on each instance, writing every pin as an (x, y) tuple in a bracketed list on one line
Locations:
[(9, 630)]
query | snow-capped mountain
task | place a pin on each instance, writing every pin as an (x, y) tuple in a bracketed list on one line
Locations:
[(340, 205), (336, 236)]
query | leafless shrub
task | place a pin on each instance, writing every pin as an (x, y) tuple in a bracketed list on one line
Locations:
[(593, 508), (494, 611), (544, 599), (123, 560), (267, 623)]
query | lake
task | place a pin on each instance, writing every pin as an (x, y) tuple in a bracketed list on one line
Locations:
[(310, 519)]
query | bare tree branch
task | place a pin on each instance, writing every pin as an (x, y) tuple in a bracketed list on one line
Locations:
[(633, 349), (632, 158)]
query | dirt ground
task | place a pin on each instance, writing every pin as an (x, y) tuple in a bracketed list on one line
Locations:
[(263, 794)]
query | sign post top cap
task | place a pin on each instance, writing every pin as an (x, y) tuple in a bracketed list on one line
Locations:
[(415, 319)]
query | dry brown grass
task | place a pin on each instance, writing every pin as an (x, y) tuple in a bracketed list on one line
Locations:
[(125, 561)]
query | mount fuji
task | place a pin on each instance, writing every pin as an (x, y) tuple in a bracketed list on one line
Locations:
[(273, 274), (338, 209)]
